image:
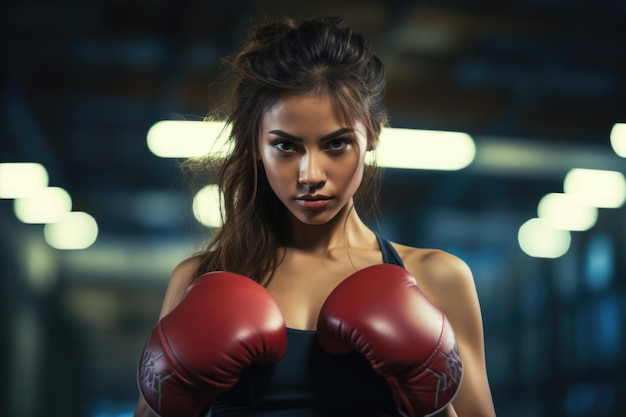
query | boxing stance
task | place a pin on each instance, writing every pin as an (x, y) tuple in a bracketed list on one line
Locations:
[(363, 339), (227, 322)]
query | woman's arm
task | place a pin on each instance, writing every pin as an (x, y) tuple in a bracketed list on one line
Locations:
[(448, 282)]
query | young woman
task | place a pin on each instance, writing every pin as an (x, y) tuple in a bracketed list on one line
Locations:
[(318, 315)]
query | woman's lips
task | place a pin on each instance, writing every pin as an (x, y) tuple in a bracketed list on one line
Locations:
[(313, 201)]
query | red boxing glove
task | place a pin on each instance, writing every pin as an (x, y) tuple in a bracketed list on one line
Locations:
[(380, 313), (224, 323)]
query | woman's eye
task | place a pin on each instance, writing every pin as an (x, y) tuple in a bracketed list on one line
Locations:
[(284, 146), (339, 143)]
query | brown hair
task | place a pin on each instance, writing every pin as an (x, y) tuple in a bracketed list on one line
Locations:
[(320, 55)]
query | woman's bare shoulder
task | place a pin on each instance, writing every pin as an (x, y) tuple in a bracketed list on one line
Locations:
[(440, 274), (186, 270), (182, 276), (434, 263)]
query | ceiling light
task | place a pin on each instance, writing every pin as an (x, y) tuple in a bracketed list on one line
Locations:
[(595, 187), (207, 208), (618, 139), (18, 179), (43, 205), (424, 149), (188, 139), (565, 211), (540, 240), (77, 230)]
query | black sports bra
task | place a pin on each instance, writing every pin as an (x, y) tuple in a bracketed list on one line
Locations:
[(308, 382), (390, 255)]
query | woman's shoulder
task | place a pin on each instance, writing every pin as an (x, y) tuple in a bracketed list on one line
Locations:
[(441, 275), (432, 263), (187, 269), (182, 276)]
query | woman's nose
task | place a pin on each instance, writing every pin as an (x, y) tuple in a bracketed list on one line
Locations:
[(311, 171)]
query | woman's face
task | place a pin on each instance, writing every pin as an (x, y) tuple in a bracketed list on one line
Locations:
[(313, 159)]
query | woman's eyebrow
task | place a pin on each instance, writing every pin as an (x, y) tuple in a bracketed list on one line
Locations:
[(336, 133), (332, 135), (285, 135)]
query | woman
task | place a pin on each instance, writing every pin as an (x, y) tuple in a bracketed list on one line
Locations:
[(307, 106)]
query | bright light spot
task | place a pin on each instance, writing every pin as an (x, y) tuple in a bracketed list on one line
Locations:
[(538, 239), (564, 211), (78, 230), (43, 205), (207, 206), (618, 139), (425, 149), (18, 179), (398, 148), (188, 139), (598, 188)]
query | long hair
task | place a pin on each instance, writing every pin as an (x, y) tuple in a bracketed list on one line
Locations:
[(320, 55)]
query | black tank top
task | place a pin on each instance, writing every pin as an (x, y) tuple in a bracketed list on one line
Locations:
[(308, 382)]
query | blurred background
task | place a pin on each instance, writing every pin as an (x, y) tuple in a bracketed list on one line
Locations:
[(538, 84)]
